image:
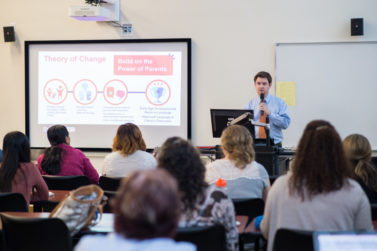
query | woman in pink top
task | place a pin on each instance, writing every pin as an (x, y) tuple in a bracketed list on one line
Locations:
[(62, 159), (17, 173)]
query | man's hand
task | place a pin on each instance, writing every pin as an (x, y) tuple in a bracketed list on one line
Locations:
[(263, 107)]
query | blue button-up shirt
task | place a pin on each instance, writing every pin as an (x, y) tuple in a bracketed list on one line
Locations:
[(279, 118)]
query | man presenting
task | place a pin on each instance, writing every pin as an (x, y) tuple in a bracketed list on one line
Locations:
[(268, 107)]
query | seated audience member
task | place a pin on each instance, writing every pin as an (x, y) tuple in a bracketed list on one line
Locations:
[(146, 214), (128, 153), (17, 173), (63, 160), (359, 153), (245, 177), (202, 205), (317, 193)]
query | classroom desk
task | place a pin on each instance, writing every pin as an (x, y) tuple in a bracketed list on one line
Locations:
[(106, 223), (58, 195)]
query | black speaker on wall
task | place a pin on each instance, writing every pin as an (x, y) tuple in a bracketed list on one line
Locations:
[(9, 34), (357, 27)]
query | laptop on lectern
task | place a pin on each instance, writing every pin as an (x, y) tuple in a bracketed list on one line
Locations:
[(221, 118)]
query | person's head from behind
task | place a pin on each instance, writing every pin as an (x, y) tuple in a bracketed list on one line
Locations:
[(147, 205), (237, 144), (320, 165), (128, 139), (16, 149), (262, 82), (58, 134), (359, 153), (183, 162), (357, 148)]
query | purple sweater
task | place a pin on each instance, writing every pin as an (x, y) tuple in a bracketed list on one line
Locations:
[(73, 162), (30, 183)]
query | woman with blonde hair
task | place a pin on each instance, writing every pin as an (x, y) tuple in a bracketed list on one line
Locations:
[(359, 153), (245, 177), (128, 153)]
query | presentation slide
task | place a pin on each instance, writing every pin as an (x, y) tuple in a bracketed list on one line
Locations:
[(92, 88)]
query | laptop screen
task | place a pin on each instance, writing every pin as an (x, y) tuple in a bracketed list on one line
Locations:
[(345, 241)]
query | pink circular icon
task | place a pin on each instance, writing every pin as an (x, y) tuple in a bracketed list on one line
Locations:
[(85, 91), (55, 91), (158, 92), (115, 92)]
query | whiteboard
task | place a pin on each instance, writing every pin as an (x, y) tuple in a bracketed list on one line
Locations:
[(334, 81)]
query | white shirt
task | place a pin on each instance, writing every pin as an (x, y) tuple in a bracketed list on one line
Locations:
[(115, 241), (116, 165)]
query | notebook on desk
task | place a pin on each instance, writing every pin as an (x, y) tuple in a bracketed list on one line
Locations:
[(345, 241)]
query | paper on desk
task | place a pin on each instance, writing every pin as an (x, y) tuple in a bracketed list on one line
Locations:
[(287, 92), (105, 225)]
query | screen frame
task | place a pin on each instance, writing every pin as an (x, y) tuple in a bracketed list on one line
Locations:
[(29, 43), (230, 113)]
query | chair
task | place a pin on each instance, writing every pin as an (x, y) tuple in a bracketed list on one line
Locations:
[(374, 161), (65, 182), (44, 205), (209, 238), (109, 195), (373, 207), (13, 202), (109, 183), (35, 234), (293, 240), (250, 208), (273, 178)]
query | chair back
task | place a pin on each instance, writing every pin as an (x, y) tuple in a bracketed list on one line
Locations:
[(109, 195), (65, 182), (209, 238), (373, 207), (374, 161), (249, 207), (45, 205), (35, 234), (13, 202), (273, 178), (109, 183), (293, 240)]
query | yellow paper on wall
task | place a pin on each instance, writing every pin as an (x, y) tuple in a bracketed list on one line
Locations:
[(287, 92)]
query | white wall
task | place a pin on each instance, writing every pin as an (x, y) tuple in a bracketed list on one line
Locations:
[(232, 40)]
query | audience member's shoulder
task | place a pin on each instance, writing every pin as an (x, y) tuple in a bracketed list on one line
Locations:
[(355, 186), (218, 163), (28, 165), (92, 242), (282, 180), (112, 155)]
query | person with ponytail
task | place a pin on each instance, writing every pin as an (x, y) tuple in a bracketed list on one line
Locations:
[(245, 177), (17, 173), (359, 153), (63, 160)]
